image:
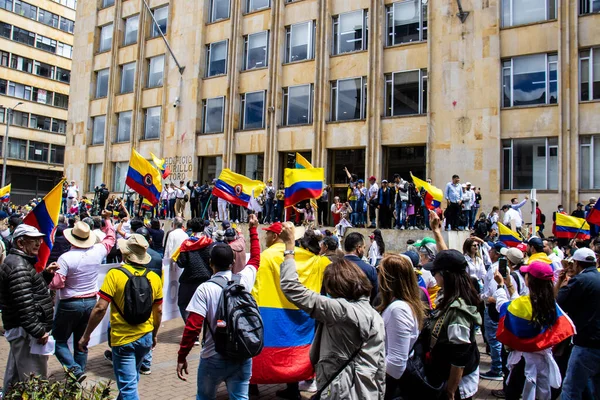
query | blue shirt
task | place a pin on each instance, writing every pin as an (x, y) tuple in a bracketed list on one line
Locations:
[(369, 270), (453, 192)]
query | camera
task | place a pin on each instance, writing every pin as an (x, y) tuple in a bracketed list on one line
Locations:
[(176, 103)]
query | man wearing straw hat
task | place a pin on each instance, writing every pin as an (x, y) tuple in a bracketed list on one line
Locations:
[(75, 283), (130, 343)]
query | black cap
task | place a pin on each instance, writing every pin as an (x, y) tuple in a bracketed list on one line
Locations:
[(447, 260), (229, 232), (414, 257), (536, 243)]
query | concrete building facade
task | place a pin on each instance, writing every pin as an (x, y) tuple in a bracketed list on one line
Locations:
[(36, 39), (506, 96)]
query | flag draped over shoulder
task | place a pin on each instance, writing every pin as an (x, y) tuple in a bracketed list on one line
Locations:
[(568, 227), (433, 196), (302, 184), (289, 331), (144, 178), (508, 236), (517, 331), (45, 218), (5, 193), (593, 216), (236, 189), (160, 164)]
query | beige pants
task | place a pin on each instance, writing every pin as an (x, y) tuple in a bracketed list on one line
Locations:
[(21, 363), (179, 207)]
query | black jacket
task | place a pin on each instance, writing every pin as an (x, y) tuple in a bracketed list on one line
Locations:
[(369, 270), (24, 296), (195, 263)]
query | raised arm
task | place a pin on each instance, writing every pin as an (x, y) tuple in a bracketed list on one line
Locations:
[(254, 242), (436, 228)]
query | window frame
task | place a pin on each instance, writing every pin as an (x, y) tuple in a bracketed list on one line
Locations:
[(590, 61), (107, 70), (286, 104), (127, 136), (510, 150), (137, 29), (212, 8), (289, 32), (91, 170), (160, 82), (155, 29), (423, 78), (210, 52), (336, 20), (205, 112), (244, 113), (249, 9), (363, 99), (123, 68), (510, 13), (247, 50), (390, 12), (101, 40), (547, 80), (93, 141), (146, 114), (588, 4)]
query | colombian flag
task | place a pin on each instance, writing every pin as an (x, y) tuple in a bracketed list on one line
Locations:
[(433, 196), (302, 163), (302, 184), (568, 227), (593, 216), (508, 236), (289, 331), (517, 331), (5, 194), (160, 164), (236, 189), (45, 218), (144, 178)]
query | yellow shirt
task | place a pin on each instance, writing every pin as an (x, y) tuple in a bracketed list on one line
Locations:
[(112, 290)]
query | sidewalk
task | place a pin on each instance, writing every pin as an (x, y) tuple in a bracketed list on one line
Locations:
[(163, 382)]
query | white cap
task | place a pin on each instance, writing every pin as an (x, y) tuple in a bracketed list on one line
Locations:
[(585, 255), (468, 183), (26, 230)]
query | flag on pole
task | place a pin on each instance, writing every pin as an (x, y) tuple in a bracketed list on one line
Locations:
[(302, 184), (45, 218), (508, 236), (593, 216), (160, 164), (302, 163), (144, 178), (5, 194), (433, 196), (236, 189), (568, 227)]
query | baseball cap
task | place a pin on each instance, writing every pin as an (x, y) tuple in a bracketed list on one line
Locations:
[(539, 270), (579, 205), (513, 254), (584, 255), (535, 242), (414, 257), (448, 260), (361, 181), (275, 227), (372, 178), (522, 247), (498, 246), (424, 241), (384, 181), (230, 232), (225, 224), (26, 230), (468, 183)]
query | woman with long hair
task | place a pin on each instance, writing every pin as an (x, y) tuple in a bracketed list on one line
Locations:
[(454, 357), (403, 313), (348, 349), (531, 325), (377, 248), (474, 259)]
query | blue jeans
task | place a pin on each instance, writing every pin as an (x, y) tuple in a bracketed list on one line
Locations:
[(72, 319), (127, 360), (467, 215), (473, 216), (401, 213), (171, 208), (147, 361), (353, 216), (216, 369), (268, 211), (495, 345), (426, 216), (583, 374)]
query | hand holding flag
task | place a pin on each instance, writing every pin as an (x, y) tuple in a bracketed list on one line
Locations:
[(144, 178)]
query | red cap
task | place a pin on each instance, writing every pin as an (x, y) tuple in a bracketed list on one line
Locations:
[(522, 247), (539, 270), (276, 228), (372, 178)]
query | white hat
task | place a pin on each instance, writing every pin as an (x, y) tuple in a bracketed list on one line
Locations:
[(585, 255), (134, 249), (468, 183), (513, 254), (26, 230), (80, 235)]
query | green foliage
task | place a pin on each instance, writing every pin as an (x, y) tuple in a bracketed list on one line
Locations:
[(36, 388)]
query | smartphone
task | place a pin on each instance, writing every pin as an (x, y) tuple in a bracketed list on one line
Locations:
[(503, 267)]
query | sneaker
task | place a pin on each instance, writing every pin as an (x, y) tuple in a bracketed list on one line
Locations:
[(145, 370), (402, 228), (108, 356), (499, 394), (492, 376), (308, 386), (197, 343)]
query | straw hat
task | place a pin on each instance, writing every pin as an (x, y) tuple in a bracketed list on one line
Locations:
[(134, 249), (80, 235)]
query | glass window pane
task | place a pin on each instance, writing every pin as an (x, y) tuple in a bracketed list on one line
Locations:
[(156, 71), (220, 10), (350, 32), (406, 21), (218, 59), (596, 161), (584, 167), (124, 127), (255, 110), (257, 50), (106, 33), (406, 93), (152, 125), (94, 176), (529, 164), (553, 81), (299, 105), (119, 176), (254, 5), (528, 11), (349, 99), (127, 77), (131, 30), (161, 15), (529, 80), (98, 127), (213, 119), (300, 41), (584, 76), (596, 73)]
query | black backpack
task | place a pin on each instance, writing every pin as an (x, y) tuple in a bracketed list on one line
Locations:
[(137, 298), (542, 218), (240, 333)]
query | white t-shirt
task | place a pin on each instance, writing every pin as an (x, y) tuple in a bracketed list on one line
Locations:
[(373, 191), (72, 191), (180, 193), (171, 193), (401, 333), (511, 214), (206, 302)]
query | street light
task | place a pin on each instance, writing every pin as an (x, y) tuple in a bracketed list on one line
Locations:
[(9, 114)]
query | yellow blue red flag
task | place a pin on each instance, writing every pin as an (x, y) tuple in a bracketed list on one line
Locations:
[(568, 227), (144, 178), (236, 189), (5, 193), (433, 196), (302, 163), (161, 165), (508, 236), (302, 184)]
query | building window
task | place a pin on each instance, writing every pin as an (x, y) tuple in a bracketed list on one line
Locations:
[(66, 25), (348, 99), (19, 91), (518, 12), (106, 34), (45, 44), (4, 58), (61, 100), (59, 126), (156, 66), (300, 42), (213, 114), (2, 115), (57, 154), (589, 6), (256, 50), (119, 176), (124, 127), (406, 93), (589, 162), (64, 50), (131, 30), (26, 10), (530, 80), (251, 165), (48, 18), (21, 63), (350, 32), (152, 123), (255, 5), (44, 96), (67, 3), (589, 74), (297, 105), (94, 176), (17, 148), (20, 118), (3, 85), (63, 75), (6, 4), (530, 163), (209, 168), (406, 22), (43, 69), (40, 122), (161, 15), (217, 58), (253, 110), (102, 83), (219, 10), (23, 36), (108, 3), (127, 77), (38, 151), (98, 127), (5, 30)]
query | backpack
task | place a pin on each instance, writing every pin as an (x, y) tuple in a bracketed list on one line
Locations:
[(137, 298), (543, 218), (240, 333)]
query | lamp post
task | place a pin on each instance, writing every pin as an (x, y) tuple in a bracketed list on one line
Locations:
[(9, 115)]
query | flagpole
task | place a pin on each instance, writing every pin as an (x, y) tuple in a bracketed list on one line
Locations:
[(206, 206), (579, 230)]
